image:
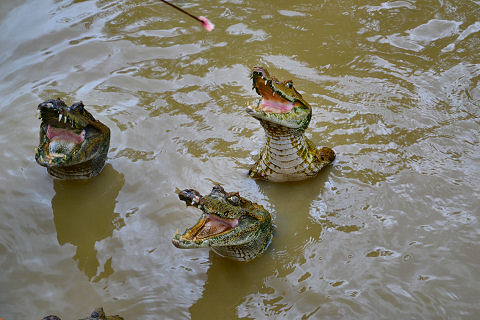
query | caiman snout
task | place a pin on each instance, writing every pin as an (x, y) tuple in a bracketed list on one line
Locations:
[(190, 196)]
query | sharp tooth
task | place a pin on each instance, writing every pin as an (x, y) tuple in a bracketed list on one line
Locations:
[(274, 93), (60, 118), (266, 81)]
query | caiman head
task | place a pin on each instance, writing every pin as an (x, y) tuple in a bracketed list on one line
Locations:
[(97, 314), (230, 225), (280, 103), (73, 145)]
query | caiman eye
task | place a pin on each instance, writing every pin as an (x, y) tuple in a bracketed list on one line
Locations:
[(233, 200), (290, 84), (78, 107)]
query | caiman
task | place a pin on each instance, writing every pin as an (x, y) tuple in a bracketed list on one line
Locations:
[(232, 226), (97, 314), (73, 145), (284, 115)]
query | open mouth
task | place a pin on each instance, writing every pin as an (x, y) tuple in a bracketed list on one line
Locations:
[(272, 100), (61, 135), (211, 225), (63, 141)]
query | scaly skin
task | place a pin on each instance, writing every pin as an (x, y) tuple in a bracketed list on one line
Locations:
[(284, 115), (97, 314), (73, 145), (232, 226)]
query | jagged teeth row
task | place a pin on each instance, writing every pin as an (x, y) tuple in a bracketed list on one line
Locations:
[(266, 82), (64, 119)]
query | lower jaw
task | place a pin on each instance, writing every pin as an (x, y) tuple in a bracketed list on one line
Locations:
[(60, 148), (80, 171), (83, 170)]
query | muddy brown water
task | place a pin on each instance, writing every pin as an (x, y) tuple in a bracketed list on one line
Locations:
[(391, 230)]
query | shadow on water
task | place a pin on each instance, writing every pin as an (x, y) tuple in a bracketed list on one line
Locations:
[(230, 282), (83, 212), (293, 202)]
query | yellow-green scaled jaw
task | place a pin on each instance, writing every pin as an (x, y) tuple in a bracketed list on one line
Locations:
[(232, 226), (73, 145), (284, 115)]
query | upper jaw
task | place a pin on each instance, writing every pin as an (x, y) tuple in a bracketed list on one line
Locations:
[(61, 117), (260, 72), (282, 107), (61, 135), (275, 96), (272, 99)]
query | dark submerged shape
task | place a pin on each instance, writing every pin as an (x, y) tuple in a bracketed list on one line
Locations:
[(232, 226), (73, 145), (97, 314), (284, 115)]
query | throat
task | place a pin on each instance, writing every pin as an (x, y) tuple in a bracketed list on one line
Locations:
[(286, 156)]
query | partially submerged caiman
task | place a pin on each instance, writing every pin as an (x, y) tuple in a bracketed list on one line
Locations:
[(232, 226), (97, 314), (73, 145), (284, 115)]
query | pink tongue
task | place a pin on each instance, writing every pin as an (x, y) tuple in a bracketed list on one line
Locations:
[(64, 134), (216, 225), (275, 106), (232, 223)]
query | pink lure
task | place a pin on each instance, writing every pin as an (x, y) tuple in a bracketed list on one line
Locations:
[(206, 24)]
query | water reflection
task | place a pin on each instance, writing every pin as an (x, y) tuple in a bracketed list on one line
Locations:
[(292, 206), (228, 282), (83, 212)]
